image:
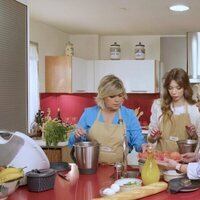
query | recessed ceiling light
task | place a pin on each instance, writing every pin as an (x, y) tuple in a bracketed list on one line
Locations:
[(179, 8)]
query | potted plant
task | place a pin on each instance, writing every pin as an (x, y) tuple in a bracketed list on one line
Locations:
[(55, 132)]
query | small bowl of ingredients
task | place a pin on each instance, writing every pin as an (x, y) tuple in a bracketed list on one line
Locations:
[(127, 184)]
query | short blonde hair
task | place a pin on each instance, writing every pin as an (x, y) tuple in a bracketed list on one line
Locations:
[(110, 85)]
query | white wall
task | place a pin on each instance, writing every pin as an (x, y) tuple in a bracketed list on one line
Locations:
[(85, 46), (98, 47), (170, 50), (173, 52), (51, 41)]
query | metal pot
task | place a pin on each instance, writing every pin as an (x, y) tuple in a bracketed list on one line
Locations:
[(86, 156), (186, 146)]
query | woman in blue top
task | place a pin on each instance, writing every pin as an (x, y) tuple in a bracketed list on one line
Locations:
[(108, 121)]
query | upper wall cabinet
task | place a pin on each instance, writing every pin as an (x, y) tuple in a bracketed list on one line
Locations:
[(139, 76), (82, 75), (65, 74), (58, 74)]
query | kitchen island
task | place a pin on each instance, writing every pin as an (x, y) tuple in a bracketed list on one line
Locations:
[(87, 187)]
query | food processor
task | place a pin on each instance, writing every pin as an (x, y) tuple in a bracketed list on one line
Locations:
[(20, 151)]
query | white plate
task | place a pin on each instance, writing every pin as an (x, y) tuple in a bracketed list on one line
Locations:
[(123, 181)]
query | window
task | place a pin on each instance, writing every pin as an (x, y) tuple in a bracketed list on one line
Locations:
[(34, 101)]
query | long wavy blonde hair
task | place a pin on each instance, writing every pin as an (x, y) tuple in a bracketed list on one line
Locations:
[(182, 79)]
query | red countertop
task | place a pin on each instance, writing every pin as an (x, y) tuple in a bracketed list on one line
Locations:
[(88, 187)]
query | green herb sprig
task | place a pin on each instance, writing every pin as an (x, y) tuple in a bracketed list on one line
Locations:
[(54, 133)]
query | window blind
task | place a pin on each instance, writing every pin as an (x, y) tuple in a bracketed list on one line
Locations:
[(13, 66)]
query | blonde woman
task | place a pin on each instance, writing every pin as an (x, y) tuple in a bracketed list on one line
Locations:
[(108, 120)]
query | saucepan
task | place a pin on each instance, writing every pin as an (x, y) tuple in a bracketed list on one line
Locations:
[(186, 146), (86, 156)]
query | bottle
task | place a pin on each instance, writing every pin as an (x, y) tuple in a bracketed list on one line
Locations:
[(40, 117), (150, 171), (36, 126), (48, 116), (118, 170), (34, 129), (58, 117)]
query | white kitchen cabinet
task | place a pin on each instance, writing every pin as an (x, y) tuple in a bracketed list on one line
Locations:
[(76, 75), (139, 76), (82, 75)]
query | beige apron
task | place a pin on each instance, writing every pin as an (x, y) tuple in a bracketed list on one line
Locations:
[(172, 131), (110, 138)]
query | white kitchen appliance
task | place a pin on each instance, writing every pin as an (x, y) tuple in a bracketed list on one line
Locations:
[(19, 150)]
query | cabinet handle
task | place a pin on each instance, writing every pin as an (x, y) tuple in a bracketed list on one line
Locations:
[(139, 91), (80, 91)]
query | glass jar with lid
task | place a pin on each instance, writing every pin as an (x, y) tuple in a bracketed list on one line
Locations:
[(140, 51), (69, 49), (115, 51)]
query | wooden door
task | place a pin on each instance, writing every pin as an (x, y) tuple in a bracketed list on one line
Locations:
[(58, 74)]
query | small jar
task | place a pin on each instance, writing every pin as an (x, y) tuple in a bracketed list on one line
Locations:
[(139, 51), (69, 49), (115, 51), (118, 170)]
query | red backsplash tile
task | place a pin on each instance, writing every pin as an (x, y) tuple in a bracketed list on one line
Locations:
[(72, 105)]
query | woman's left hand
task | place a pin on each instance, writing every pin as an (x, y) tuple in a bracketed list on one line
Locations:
[(191, 130)]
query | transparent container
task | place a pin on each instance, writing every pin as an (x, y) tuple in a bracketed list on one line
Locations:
[(118, 170), (69, 49), (115, 51), (140, 51), (150, 171)]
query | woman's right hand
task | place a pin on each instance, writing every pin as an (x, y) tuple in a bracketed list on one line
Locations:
[(79, 132), (155, 135), (188, 157)]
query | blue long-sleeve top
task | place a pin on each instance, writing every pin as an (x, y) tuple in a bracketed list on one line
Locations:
[(133, 128)]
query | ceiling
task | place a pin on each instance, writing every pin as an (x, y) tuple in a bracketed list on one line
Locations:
[(117, 17)]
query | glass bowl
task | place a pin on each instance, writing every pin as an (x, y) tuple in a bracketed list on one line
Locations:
[(8, 188)]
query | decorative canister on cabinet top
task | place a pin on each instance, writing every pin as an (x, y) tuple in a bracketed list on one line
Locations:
[(69, 49), (115, 51), (140, 51)]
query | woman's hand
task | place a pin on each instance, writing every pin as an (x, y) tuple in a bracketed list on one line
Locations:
[(188, 157), (146, 146), (154, 135), (167, 163), (79, 132), (198, 105), (191, 130)]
